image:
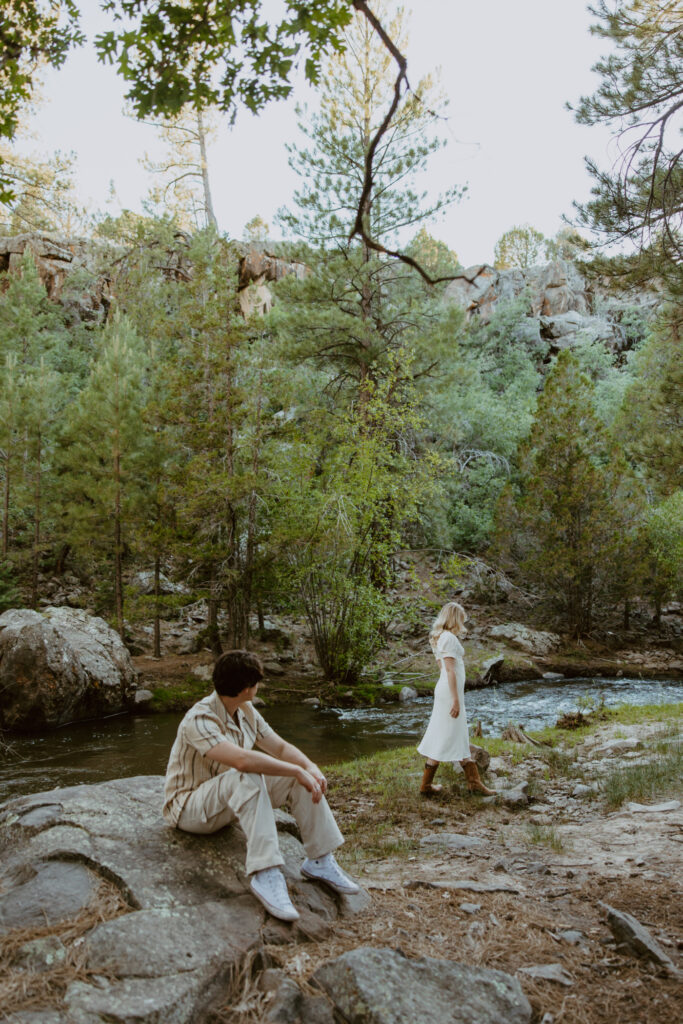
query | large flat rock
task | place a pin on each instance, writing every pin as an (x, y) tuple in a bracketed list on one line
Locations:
[(191, 918), (380, 986)]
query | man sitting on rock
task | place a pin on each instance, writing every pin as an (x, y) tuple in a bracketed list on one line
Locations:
[(214, 777)]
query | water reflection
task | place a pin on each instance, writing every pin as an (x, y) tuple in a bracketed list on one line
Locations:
[(124, 746)]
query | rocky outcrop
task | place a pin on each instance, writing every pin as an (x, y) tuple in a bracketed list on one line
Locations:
[(188, 920), (143, 583), (59, 260), (533, 641), (79, 273), (60, 665), (257, 268), (562, 306)]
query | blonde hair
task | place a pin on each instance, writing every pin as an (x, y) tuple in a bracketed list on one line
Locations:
[(451, 617)]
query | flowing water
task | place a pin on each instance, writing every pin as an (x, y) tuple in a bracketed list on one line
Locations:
[(139, 745)]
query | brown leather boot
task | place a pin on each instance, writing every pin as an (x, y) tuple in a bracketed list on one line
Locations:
[(427, 789), (474, 783)]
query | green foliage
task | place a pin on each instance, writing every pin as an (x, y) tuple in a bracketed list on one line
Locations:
[(31, 33), (219, 55), (520, 246), (660, 776), (482, 412), (572, 521), (10, 596), (638, 199), (650, 423), (664, 527)]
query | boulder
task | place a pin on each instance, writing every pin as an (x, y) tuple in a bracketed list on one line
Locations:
[(533, 641), (143, 583), (407, 693), (381, 986), (190, 919), (60, 665)]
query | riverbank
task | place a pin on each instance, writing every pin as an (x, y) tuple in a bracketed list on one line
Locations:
[(520, 886), (176, 681)]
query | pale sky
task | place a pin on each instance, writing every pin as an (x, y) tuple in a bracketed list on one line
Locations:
[(507, 67)]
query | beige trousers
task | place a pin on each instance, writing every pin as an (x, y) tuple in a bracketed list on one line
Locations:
[(249, 798)]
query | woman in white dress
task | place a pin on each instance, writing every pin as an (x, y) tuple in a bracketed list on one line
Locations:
[(447, 737)]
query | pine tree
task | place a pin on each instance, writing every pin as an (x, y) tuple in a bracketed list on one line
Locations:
[(639, 200), (184, 190), (102, 446), (573, 518)]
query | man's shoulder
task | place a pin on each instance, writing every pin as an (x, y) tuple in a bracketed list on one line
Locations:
[(206, 707)]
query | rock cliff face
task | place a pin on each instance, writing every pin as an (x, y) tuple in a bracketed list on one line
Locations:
[(93, 263), (562, 305)]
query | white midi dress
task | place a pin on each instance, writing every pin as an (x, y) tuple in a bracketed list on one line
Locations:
[(446, 738)]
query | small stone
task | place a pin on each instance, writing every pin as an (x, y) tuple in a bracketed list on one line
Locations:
[(451, 841), (552, 675), (313, 701), (548, 972), (631, 935), (273, 668), (617, 746), (581, 790), (203, 672), (518, 796), (142, 697), (470, 908), (571, 937)]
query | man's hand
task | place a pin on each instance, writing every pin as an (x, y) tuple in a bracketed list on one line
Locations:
[(309, 782), (455, 710), (317, 774)]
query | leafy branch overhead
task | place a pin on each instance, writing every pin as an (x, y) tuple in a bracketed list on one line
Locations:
[(640, 198), (31, 32), (177, 54)]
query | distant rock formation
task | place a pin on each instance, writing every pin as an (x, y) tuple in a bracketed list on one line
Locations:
[(562, 305), (91, 265)]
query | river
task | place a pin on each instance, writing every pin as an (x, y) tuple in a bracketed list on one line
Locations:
[(126, 745)]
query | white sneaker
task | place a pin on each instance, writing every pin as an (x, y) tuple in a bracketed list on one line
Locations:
[(270, 888), (325, 869)]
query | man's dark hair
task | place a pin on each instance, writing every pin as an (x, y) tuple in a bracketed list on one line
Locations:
[(236, 671)]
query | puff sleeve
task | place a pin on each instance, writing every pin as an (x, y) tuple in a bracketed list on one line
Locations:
[(448, 646)]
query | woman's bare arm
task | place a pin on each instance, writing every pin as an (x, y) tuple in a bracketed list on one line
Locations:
[(449, 665)]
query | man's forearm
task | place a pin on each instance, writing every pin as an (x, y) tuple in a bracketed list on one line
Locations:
[(253, 761), (288, 752)]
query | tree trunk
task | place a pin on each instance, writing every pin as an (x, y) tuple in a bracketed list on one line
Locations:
[(5, 511), (212, 615), (208, 202), (60, 560), (118, 551), (36, 529), (157, 625)]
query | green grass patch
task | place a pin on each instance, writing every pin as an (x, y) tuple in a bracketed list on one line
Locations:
[(546, 835), (623, 714), (661, 777), (181, 697)]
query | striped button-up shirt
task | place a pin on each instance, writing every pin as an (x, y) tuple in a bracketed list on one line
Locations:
[(205, 725)]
